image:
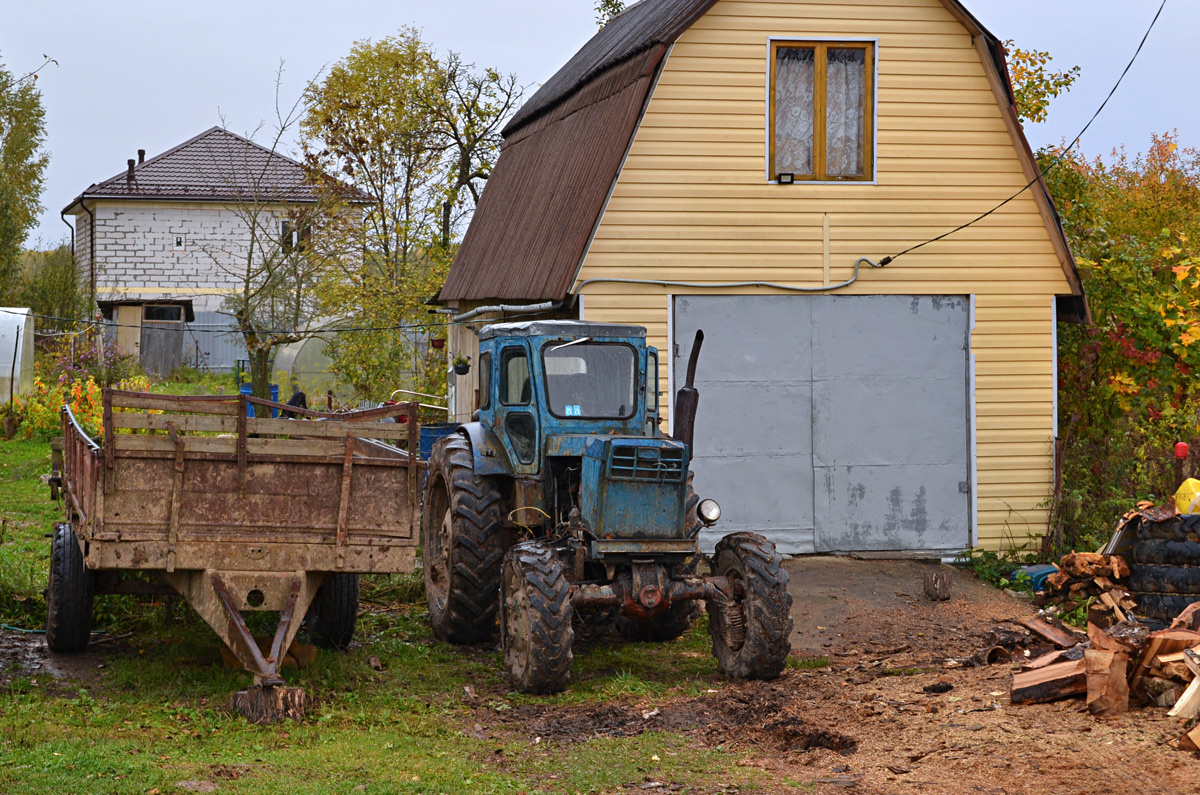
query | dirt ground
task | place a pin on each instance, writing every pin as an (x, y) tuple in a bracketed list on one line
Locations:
[(867, 722)]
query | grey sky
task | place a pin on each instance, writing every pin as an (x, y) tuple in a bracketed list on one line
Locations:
[(152, 73)]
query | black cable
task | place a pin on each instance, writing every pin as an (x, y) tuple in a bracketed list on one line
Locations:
[(1054, 162)]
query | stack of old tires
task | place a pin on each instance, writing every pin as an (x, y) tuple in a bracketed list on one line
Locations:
[(1165, 567)]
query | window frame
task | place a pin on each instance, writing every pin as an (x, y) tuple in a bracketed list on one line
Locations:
[(549, 346), (871, 94)]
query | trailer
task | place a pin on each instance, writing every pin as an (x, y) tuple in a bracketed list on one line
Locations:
[(234, 513)]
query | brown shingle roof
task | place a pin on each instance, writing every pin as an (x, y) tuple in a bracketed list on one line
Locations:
[(216, 165), (563, 151)]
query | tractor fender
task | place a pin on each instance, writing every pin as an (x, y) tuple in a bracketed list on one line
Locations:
[(490, 456)]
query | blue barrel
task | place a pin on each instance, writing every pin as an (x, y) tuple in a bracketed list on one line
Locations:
[(248, 391), (431, 433)]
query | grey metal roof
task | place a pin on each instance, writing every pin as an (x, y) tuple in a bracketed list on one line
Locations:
[(216, 165), (560, 328)]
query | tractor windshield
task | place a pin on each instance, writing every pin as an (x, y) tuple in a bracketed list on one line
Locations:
[(595, 380)]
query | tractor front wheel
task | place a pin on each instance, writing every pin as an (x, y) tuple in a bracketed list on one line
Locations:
[(462, 545), (751, 633), (69, 595), (536, 619)]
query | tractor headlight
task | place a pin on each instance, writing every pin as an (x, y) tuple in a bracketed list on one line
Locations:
[(709, 511)]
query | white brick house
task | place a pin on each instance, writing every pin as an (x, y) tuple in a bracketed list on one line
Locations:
[(161, 244)]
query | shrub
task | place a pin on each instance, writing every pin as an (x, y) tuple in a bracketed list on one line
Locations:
[(41, 409)]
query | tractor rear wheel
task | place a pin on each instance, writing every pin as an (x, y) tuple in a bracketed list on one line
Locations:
[(678, 617), (536, 619), (462, 545), (751, 634), (334, 611), (69, 595)]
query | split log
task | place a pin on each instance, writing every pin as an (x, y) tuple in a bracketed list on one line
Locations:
[(937, 584), (1104, 641), (1051, 683), (1120, 569), (1056, 635), (264, 705), (1109, 601), (1189, 618), (1161, 692), (1190, 741), (1191, 657), (1085, 564), (1107, 690), (1058, 580), (1188, 705)]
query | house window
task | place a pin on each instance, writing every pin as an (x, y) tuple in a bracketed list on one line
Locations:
[(292, 236), (822, 111)]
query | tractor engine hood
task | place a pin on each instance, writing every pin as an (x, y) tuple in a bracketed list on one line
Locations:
[(632, 487)]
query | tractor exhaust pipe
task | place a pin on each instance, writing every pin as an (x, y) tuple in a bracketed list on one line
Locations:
[(687, 398)]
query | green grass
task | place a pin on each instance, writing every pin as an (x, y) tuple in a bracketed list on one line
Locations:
[(155, 711), (26, 516)]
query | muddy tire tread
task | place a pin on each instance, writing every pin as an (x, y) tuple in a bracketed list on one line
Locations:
[(1162, 606), (764, 653), (69, 595), (1167, 553), (548, 667), (476, 546), (1145, 578), (334, 611)]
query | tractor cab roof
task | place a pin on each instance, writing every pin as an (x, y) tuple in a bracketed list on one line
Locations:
[(560, 328)]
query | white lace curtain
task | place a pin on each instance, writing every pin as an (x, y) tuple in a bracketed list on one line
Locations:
[(845, 83), (794, 83), (845, 87)]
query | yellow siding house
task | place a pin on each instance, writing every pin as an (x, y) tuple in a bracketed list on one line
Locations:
[(767, 171)]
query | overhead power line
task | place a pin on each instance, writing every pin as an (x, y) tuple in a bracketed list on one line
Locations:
[(1054, 162)]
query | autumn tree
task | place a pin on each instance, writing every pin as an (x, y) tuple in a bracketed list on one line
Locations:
[(1126, 390), (607, 9), (418, 134), (286, 247), (1034, 84), (23, 163)]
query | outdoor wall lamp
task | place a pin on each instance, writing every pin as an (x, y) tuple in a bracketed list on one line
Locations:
[(786, 179)]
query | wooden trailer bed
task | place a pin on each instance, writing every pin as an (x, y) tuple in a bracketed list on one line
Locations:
[(233, 512)]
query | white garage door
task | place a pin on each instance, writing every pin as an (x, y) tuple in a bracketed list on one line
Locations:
[(832, 423)]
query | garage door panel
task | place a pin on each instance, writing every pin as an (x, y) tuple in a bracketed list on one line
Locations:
[(778, 341), (724, 427), (890, 420), (771, 495), (832, 422), (866, 508), (873, 335)]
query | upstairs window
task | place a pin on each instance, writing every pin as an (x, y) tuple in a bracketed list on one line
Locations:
[(822, 111)]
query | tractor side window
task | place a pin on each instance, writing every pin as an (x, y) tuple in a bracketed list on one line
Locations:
[(485, 380), (652, 382), (515, 387)]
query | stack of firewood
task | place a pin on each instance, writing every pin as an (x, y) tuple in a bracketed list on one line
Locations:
[(1082, 575), (1122, 662)]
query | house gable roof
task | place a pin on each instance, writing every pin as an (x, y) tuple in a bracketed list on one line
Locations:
[(215, 165), (562, 127)]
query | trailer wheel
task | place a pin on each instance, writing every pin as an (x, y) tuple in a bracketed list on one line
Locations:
[(462, 546), (678, 617), (69, 596), (536, 619), (751, 636), (334, 611)]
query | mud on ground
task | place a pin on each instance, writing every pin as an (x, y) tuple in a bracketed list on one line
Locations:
[(866, 724)]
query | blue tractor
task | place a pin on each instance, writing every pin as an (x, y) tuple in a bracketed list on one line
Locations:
[(562, 493)]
